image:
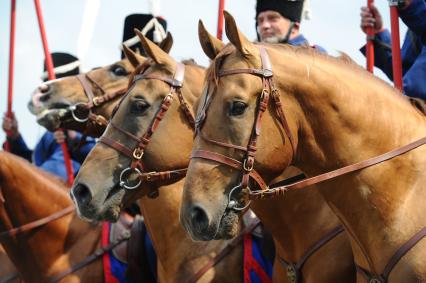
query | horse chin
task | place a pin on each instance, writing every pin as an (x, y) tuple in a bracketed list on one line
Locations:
[(51, 119), (229, 226)]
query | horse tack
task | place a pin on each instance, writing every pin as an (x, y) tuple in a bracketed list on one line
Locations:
[(92, 119), (137, 153), (294, 270), (266, 191)]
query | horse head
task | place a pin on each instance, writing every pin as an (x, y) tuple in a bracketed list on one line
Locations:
[(85, 102), (229, 119), (136, 149)]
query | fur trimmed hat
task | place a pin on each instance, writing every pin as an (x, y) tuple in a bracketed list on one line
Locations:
[(64, 65), (155, 28), (290, 9)]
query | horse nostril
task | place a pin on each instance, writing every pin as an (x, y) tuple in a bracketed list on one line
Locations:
[(82, 194), (199, 219)]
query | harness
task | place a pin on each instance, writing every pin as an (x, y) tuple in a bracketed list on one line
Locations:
[(247, 165), (84, 112), (137, 152)]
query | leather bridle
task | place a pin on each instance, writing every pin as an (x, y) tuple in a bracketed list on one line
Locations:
[(84, 112), (274, 190), (247, 165), (137, 152)]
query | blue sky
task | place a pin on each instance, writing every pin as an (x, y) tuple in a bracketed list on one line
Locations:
[(335, 26)]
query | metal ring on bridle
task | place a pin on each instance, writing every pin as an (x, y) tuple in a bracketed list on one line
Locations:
[(232, 204), (123, 183), (74, 108)]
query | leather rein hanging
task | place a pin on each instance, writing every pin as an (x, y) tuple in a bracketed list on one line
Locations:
[(137, 153), (247, 165)]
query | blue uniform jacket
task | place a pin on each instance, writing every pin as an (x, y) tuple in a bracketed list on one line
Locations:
[(300, 40), (48, 153), (413, 51)]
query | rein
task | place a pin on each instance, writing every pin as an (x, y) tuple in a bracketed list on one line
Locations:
[(247, 165), (137, 153), (35, 224)]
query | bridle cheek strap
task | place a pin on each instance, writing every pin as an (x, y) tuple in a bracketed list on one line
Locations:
[(213, 156)]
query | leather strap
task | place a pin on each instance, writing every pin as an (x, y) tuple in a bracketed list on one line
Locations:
[(223, 253), (89, 259), (279, 191), (299, 264), (209, 155), (36, 224), (396, 257)]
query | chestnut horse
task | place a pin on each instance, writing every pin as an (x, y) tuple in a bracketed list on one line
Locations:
[(169, 149), (323, 113), (46, 251), (66, 102), (176, 263)]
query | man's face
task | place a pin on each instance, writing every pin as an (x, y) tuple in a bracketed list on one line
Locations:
[(272, 27)]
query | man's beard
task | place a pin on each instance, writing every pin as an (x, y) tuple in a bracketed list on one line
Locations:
[(274, 39)]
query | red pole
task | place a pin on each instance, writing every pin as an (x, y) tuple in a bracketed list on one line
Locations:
[(51, 76), (220, 19), (11, 63), (370, 43), (396, 49)]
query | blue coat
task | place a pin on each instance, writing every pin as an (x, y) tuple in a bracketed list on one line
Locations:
[(413, 51), (48, 153), (300, 40)]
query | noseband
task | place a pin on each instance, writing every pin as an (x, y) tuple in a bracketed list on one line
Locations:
[(247, 165), (138, 151), (84, 112)]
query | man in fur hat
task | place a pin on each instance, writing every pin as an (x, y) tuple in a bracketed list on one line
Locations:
[(278, 21)]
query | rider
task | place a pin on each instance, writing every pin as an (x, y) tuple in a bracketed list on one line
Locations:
[(48, 153), (413, 52), (278, 21)]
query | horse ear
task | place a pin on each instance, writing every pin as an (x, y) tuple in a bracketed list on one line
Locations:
[(236, 37), (134, 58), (210, 44), (167, 43), (154, 51)]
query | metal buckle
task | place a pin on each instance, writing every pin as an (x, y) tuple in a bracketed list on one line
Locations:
[(246, 168), (95, 101), (267, 73), (291, 273), (149, 175), (123, 182), (138, 153)]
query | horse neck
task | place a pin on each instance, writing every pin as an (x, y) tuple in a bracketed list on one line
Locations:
[(351, 117), (178, 255), (29, 196)]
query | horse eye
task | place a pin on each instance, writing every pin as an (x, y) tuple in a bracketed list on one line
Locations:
[(238, 108), (139, 106), (119, 70)]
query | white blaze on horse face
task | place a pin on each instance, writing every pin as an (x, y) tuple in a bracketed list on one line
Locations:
[(365, 190)]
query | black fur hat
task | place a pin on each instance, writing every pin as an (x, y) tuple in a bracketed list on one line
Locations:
[(155, 28), (290, 9), (64, 65)]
